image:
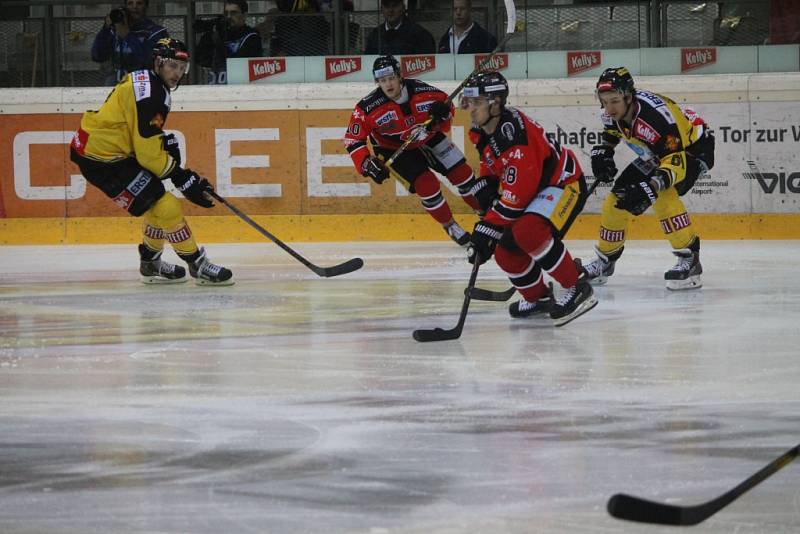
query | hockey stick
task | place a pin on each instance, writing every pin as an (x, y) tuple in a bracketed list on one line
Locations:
[(632, 508), (511, 11), (343, 268), (479, 293), (438, 334)]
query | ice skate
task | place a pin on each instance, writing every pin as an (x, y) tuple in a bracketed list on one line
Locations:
[(206, 273), (457, 234), (522, 308), (154, 270), (575, 301), (598, 270), (686, 272)]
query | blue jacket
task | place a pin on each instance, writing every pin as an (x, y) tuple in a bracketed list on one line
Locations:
[(133, 52)]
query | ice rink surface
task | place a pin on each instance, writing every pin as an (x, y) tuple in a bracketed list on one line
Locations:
[(290, 403)]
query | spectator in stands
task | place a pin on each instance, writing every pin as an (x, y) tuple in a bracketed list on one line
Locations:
[(127, 38), (223, 37), (398, 35), (466, 36), (304, 32)]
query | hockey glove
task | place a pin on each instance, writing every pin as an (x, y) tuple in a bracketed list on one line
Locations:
[(483, 241), (439, 112), (375, 169), (192, 185), (486, 192), (635, 197), (603, 166), (170, 143)]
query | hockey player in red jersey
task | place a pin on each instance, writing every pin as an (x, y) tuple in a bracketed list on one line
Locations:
[(541, 191), (388, 116)]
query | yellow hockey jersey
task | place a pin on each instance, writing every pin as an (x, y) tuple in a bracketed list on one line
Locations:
[(129, 124), (659, 134)]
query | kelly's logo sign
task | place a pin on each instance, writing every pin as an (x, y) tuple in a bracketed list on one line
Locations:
[(341, 66), (264, 68), (578, 62), (491, 63), (692, 58), (413, 65)]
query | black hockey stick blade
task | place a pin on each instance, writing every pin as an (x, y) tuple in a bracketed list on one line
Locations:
[(349, 266), (343, 268), (479, 293), (439, 334), (632, 508)]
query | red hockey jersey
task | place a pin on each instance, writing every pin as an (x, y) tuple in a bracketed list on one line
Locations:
[(525, 160), (388, 124)]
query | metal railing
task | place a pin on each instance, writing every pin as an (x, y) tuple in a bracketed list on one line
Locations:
[(48, 42)]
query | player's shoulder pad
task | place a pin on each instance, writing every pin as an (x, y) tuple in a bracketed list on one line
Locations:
[(372, 101), (416, 87)]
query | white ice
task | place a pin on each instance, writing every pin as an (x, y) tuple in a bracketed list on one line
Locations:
[(291, 403)]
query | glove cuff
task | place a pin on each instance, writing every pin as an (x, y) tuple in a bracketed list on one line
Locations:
[(489, 230)]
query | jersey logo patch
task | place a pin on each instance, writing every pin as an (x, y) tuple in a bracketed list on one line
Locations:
[(141, 76), (644, 131), (422, 107), (141, 90), (386, 117), (157, 121)]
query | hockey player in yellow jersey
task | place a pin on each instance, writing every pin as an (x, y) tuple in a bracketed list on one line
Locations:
[(674, 147), (122, 150)]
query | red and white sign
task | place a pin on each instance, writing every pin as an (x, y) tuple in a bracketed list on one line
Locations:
[(498, 62), (341, 66), (413, 65), (692, 58), (578, 62), (264, 68)]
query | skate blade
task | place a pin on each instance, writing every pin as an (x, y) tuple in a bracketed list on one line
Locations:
[(203, 282), (693, 282), (582, 308), (598, 281), (160, 280)]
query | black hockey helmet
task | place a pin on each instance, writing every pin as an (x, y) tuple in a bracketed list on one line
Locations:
[(492, 85), (168, 48), (384, 66), (616, 79)]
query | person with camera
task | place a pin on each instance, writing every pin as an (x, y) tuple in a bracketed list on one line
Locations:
[(127, 39), (226, 36)]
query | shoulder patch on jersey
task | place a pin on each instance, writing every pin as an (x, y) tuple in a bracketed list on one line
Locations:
[(417, 86), (372, 101), (508, 130), (140, 76), (606, 119), (141, 90), (422, 107)]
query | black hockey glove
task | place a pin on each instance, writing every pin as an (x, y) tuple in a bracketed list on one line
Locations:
[(192, 185), (482, 242), (170, 143), (439, 112), (375, 169), (603, 166), (635, 197), (486, 192)]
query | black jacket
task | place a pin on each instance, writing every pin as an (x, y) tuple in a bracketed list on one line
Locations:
[(477, 41), (409, 38)]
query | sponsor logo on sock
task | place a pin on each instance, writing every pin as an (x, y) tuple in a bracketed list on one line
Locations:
[(613, 236)]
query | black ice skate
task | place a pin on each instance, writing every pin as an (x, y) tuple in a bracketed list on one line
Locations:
[(154, 270), (522, 308), (457, 234), (686, 272), (575, 301), (598, 270), (206, 273)]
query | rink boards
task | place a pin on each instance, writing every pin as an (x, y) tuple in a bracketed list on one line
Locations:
[(276, 153)]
